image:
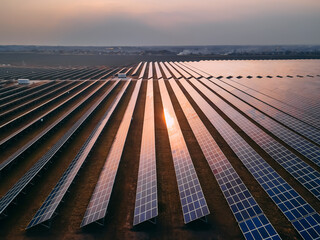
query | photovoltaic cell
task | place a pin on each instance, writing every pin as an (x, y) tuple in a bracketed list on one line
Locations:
[(50, 205), (192, 199), (297, 142), (300, 170), (241, 202), (302, 216), (146, 205), (100, 198)]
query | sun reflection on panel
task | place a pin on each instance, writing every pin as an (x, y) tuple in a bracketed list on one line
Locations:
[(168, 118)]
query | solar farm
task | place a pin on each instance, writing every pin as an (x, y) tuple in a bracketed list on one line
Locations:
[(161, 150)]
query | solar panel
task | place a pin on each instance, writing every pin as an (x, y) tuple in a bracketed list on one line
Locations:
[(167, 74), (146, 204), (302, 116), (50, 205), (24, 181), (34, 100), (300, 170), (136, 69), (293, 123), (18, 118), (291, 99), (173, 71), (302, 216), (150, 72), (143, 70), (297, 142), (188, 70), (100, 198), (192, 199), (38, 137), (241, 202), (200, 72), (158, 72), (45, 88), (181, 71)]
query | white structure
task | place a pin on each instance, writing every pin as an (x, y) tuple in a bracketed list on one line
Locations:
[(122, 75), (23, 81)]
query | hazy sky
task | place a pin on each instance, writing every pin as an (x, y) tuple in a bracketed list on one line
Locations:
[(159, 22)]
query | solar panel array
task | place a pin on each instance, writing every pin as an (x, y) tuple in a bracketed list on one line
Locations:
[(292, 123), (302, 216), (26, 179), (273, 116), (53, 73), (192, 199), (297, 113), (253, 222), (50, 205), (99, 201), (38, 137), (300, 170), (146, 204), (294, 140)]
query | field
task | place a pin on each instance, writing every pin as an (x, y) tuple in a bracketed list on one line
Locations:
[(269, 108)]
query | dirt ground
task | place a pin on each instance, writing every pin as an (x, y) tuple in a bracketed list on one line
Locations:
[(118, 223)]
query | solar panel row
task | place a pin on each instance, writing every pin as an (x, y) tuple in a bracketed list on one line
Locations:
[(297, 142), (158, 72), (150, 72), (146, 204), (300, 170), (293, 123), (31, 111), (35, 100), (302, 216), (173, 71), (241, 202), (192, 199), (136, 69), (302, 116), (100, 198), (181, 71), (167, 74), (143, 70), (50, 205), (38, 137), (29, 176)]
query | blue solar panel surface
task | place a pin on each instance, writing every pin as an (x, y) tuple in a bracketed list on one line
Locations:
[(241, 202), (146, 204), (100, 198), (290, 203), (50, 205), (192, 199)]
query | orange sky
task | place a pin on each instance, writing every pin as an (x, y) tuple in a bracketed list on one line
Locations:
[(59, 22)]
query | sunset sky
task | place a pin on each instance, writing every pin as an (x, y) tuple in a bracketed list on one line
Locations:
[(153, 22)]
